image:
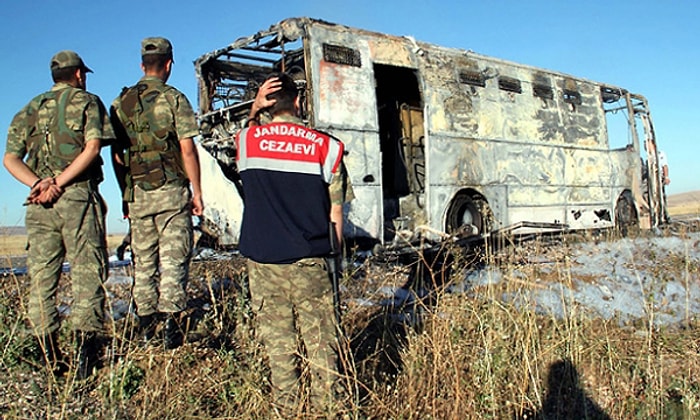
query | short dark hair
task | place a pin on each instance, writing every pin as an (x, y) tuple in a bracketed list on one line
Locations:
[(155, 61), (65, 74), (284, 97)]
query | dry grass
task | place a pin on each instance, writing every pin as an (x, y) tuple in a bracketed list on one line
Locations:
[(13, 245), (465, 357), (685, 209), (687, 204)]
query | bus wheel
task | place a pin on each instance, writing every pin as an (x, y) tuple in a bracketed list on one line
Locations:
[(626, 219), (468, 214)]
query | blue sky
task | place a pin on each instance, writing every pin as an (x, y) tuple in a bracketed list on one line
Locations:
[(646, 46)]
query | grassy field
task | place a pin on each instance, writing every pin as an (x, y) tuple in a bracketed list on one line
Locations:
[(684, 204), (469, 357), (13, 245), (692, 209)]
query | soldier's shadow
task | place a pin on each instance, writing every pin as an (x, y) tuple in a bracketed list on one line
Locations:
[(379, 339), (376, 348), (565, 398)]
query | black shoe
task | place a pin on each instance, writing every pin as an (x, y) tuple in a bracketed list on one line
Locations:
[(126, 243), (173, 334), (147, 327), (52, 357), (88, 353)]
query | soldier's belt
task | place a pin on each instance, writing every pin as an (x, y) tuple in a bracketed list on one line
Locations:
[(90, 184)]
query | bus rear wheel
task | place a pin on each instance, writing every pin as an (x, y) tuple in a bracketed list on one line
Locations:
[(626, 220), (468, 214)]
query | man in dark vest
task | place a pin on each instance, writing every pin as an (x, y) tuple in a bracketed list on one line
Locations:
[(156, 163), (60, 132), (294, 184)]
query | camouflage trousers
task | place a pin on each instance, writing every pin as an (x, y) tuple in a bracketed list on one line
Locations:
[(295, 323), (72, 229), (161, 245)]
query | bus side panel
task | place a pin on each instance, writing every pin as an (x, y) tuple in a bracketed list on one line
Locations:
[(364, 212), (626, 170), (224, 207), (391, 51), (587, 168), (461, 163), (581, 114), (342, 94), (344, 104), (551, 153), (453, 160)]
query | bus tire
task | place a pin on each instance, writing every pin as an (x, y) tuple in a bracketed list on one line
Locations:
[(468, 213), (626, 220)]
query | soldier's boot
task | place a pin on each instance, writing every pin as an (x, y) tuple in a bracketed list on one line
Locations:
[(52, 357), (87, 347), (173, 335), (147, 327), (120, 252)]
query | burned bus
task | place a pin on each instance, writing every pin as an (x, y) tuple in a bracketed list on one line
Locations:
[(439, 141)]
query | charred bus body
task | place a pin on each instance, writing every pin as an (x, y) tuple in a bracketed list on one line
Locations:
[(439, 140)]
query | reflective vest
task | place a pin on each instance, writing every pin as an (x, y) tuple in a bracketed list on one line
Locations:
[(285, 170)]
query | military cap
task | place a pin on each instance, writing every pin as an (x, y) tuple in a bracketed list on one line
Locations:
[(68, 58), (156, 45)]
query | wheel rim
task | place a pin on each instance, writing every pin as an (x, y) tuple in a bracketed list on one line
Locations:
[(465, 212), (625, 213)]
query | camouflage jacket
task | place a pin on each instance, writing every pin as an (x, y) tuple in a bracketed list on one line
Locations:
[(52, 129), (150, 118)]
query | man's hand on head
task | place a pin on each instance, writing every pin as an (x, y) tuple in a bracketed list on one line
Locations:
[(261, 102)]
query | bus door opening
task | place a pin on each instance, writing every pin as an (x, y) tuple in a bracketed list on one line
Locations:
[(402, 145), (653, 179)]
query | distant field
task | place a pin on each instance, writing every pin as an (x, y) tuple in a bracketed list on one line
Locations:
[(690, 209), (11, 245), (685, 203)]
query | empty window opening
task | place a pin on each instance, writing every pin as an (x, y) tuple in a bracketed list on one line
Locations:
[(543, 91), (572, 97), (341, 55), (610, 95), (617, 119), (472, 77), (509, 84)]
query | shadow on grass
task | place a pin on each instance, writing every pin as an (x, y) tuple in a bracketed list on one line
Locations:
[(565, 397)]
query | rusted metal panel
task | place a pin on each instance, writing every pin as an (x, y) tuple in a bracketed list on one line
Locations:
[(392, 50), (342, 96)]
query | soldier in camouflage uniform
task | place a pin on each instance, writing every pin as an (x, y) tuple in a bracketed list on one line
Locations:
[(156, 162), (294, 184), (60, 132)]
